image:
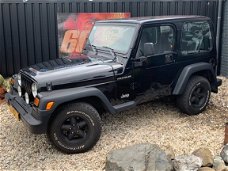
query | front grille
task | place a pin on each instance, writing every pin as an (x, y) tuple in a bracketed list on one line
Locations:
[(26, 84)]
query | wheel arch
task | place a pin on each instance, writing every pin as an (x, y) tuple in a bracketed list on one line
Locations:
[(203, 69), (90, 95), (74, 94), (94, 101)]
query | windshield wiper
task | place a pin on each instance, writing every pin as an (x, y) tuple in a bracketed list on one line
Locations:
[(93, 47), (111, 52)]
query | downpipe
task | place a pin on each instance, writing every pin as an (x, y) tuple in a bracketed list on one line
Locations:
[(218, 32)]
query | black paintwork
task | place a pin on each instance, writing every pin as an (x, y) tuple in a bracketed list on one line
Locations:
[(119, 83), (155, 19)]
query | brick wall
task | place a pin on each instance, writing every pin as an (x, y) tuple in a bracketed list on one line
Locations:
[(224, 53)]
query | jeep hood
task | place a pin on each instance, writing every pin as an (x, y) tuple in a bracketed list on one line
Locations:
[(74, 71)]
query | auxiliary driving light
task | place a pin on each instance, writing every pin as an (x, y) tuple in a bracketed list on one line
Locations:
[(26, 98), (19, 79), (19, 91)]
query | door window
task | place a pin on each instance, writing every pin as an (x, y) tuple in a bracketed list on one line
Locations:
[(162, 37), (196, 37)]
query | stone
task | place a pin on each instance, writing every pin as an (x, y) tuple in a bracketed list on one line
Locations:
[(187, 163), (170, 152), (218, 163), (224, 153), (206, 169), (2, 101), (206, 155), (225, 168), (139, 157)]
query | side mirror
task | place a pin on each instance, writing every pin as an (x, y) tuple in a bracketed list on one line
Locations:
[(149, 49)]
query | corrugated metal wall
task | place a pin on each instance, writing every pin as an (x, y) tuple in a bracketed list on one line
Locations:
[(224, 52), (28, 29)]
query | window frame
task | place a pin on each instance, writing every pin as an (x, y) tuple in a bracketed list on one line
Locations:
[(172, 25), (120, 24), (199, 51)]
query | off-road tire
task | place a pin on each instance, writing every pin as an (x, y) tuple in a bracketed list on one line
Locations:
[(68, 124), (185, 101)]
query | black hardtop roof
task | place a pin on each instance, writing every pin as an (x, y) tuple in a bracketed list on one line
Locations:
[(142, 20)]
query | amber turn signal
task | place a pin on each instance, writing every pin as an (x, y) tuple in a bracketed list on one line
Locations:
[(36, 101), (49, 105)]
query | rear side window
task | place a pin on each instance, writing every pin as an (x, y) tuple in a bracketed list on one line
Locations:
[(196, 37)]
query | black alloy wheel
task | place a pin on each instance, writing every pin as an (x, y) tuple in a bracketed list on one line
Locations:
[(198, 96), (195, 96), (76, 128)]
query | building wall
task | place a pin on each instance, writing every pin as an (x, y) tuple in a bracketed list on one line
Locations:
[(224, 44), (29, 34)]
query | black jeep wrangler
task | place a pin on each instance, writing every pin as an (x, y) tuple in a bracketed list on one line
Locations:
[(125, 62)]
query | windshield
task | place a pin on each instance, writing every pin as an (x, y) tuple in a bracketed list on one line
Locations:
[(116, 37)]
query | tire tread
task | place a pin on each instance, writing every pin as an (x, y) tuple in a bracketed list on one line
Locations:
[(182, 100), (80, 106)]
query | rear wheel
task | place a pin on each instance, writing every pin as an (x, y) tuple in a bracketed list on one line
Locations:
[(76, 128), (196, 96)]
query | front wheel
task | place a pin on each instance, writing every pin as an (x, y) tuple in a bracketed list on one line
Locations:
[(196, 96), (76, 128)]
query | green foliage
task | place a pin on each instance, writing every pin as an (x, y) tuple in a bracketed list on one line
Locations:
[(1, 80), (4, 83)]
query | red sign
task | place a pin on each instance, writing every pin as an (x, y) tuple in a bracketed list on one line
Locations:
[(74, 29)]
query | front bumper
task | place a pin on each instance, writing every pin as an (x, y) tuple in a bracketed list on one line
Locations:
[(35, 125)]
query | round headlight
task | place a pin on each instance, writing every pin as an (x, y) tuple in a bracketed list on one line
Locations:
[(26, 98), (19, 91), (34, 89), (19, 79)]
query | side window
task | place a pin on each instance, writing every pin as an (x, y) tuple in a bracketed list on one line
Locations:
[(196, 37), (162, 37)]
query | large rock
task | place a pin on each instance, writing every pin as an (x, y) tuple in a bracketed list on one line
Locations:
[(206, 155), (141, 157), (170, 152), (224, 153), (225, 168), (218, 163), (206, 169), (187, 163)]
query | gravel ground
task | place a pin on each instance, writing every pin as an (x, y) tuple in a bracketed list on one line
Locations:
[(157, 122)]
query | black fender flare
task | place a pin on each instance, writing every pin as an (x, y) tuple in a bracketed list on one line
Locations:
[(188, 71), (63, 96)]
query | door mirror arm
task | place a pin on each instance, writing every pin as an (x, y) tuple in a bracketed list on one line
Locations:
[(139, 61)]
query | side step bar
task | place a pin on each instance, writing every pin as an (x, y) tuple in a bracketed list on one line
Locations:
[(124, 106)]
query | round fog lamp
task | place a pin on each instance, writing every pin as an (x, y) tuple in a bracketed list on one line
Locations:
[(27, 98), (19, 91)]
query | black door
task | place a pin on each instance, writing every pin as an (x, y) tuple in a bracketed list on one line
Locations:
[(154, 74)]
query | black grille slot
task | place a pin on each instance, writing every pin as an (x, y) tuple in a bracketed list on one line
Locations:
[(26, 84)]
